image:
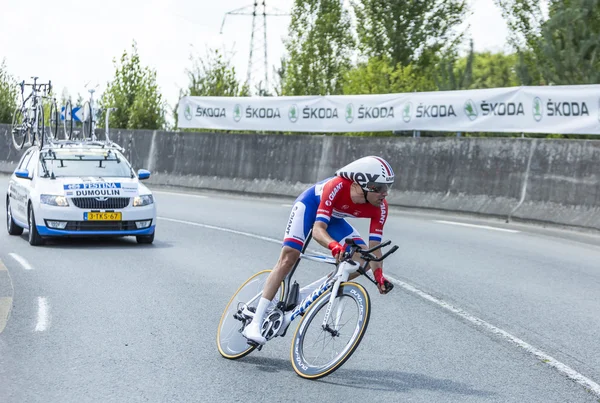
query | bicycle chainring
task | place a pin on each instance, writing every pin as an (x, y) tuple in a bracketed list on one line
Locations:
[(272, 324)]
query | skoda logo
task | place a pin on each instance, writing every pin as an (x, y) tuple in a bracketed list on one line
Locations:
[(237, 112), (187, 112), (406, 112), (349, 113), (293, 113), (538, 109), (102, 198), (471, 109)]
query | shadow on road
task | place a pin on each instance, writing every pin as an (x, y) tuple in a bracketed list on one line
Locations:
[(382, 381), (98, 242)]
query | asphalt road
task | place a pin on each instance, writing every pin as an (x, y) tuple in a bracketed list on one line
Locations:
[(479, 314)]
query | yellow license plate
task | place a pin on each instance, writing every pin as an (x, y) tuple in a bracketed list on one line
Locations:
[(111, 216)]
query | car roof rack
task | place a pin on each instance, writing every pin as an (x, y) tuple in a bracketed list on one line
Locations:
[(64, 144)]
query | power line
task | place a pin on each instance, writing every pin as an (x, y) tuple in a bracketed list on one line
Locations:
[(258, 44)]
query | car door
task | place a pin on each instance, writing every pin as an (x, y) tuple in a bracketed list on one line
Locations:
[(18, 189)]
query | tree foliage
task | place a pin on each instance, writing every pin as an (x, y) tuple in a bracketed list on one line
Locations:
[(319, 48), (213, 76), (408, 32), (570, 42), (135, 94), (379, 76), (8, 94)]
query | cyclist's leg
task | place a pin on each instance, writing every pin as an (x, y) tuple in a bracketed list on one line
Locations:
[(301, 219)]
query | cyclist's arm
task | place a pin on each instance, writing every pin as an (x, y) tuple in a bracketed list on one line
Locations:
[(321, 235)]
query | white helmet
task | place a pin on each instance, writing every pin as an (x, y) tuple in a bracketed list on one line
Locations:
[(373, 174)]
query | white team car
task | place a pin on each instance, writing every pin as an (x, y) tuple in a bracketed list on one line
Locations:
[(79, 189)]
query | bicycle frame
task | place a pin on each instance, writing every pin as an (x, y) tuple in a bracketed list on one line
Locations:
[(342, 273), (30, 113)]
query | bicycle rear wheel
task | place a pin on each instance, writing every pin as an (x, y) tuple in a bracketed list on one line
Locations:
[(230, 342), (53, 121), (39, 133), (18, 128), (317, 352), (68, 122), (87, 121)]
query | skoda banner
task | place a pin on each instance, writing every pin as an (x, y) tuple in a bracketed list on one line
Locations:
[(573, 109)]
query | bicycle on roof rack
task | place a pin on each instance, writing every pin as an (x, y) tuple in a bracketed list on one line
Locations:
[(89, 122), (28, 124), (334, 316)]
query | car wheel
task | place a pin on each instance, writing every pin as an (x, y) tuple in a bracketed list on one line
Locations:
[(11, 226), (145, 238), (34, 236)]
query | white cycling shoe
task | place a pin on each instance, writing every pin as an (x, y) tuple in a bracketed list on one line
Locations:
[(252, 333)]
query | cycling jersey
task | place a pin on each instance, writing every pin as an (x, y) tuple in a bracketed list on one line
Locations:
[(329, 201)]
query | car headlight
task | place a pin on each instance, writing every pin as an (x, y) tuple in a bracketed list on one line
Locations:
[(53, 200), (142, 200)]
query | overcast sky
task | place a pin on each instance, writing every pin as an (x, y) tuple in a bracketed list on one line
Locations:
[(74, 42)]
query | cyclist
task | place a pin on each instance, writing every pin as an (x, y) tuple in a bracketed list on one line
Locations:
[(358, 190)]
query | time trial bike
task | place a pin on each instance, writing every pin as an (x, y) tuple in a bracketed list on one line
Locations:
[(334, 317)]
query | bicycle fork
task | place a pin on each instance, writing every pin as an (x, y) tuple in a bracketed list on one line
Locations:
[(342, 274)]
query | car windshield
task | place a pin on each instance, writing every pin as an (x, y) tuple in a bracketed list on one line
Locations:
[(77, 163)]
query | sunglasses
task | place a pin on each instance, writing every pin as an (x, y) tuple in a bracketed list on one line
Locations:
[(377, 187)]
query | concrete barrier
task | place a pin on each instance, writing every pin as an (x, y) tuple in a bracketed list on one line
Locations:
[(554, 181)]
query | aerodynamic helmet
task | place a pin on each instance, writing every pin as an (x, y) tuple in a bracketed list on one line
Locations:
[(373, 174)]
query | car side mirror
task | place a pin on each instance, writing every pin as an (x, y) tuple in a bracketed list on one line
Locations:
[(22, 173), (143, 174)]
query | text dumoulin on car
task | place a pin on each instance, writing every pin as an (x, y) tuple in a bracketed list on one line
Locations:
[(79, 189)]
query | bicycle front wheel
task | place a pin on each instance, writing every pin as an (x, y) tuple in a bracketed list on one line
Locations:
[(230, 342), (317, 351), (19, 128)]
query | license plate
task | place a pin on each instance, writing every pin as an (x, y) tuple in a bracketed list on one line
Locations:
[(110, 216)]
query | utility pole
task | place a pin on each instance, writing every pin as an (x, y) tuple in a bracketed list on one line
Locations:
[(258, 44)]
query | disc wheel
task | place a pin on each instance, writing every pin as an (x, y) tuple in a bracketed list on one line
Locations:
[(230, 341)]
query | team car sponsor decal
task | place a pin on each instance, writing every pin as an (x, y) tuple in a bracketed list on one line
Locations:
[(100, 189)]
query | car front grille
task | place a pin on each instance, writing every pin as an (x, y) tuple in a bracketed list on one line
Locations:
[(92, 203), (101, 226)]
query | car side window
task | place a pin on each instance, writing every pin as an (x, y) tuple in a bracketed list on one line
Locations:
[(31, 164), (25, 159)]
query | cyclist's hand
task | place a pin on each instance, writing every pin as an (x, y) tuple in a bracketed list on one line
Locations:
[(336, 250), (382, 283)]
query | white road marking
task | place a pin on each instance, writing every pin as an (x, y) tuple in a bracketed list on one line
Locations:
[(545, 358), (476, 226), (180, 194), (264, 238), (21, 260), (43, 315)]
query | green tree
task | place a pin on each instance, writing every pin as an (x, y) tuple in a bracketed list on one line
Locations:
[(491, 70), (453, 73), (570, 42), (319, 48), (213, 76), (379, 76), (524, 19), (135, 94), (408, 32), (8, 94)]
